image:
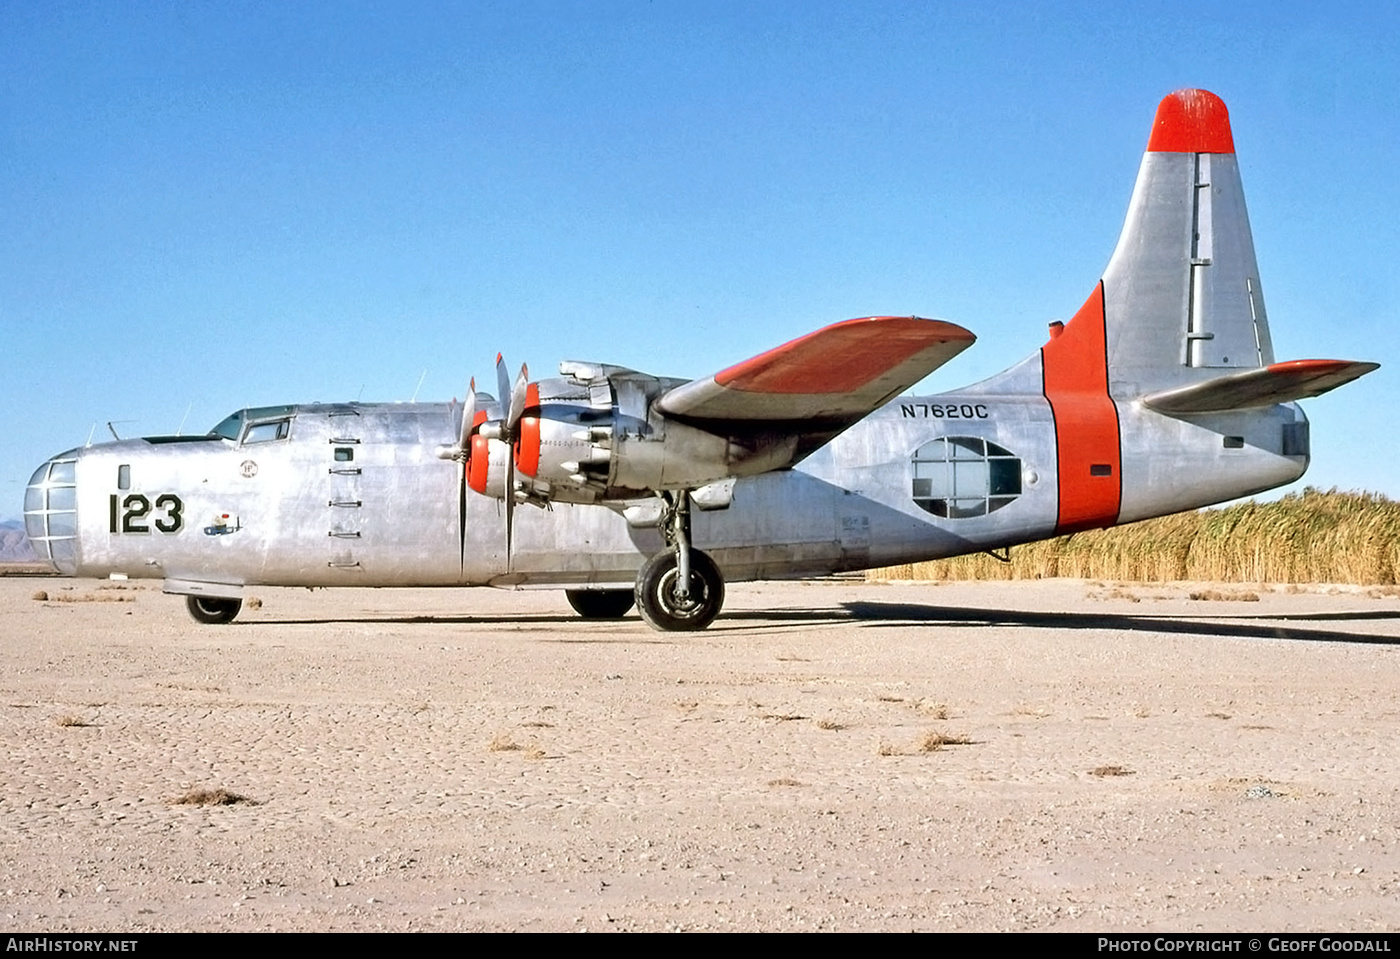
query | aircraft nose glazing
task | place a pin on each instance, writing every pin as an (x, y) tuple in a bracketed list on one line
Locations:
[(51, 512)]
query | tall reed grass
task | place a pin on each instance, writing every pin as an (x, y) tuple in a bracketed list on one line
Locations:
[(1308, 537)]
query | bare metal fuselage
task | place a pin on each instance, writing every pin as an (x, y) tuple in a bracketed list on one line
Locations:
[(353, 496)]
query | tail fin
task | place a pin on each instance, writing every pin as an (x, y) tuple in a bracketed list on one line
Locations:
[(1182, 299), (1176, 326), (1183, 309)]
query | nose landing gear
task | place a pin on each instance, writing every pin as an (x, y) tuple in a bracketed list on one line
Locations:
[(213, 609)]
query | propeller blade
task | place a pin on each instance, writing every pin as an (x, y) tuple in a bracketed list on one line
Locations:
[(462, 521), (464, 442), (502, 380), (510, 509), (517, 399)]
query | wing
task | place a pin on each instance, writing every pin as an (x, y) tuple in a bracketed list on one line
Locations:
[(819, 384), (1264, 386)]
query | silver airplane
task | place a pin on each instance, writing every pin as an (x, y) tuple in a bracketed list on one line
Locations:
[(1161, 394)]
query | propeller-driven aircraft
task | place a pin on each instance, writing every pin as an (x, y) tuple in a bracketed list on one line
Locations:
[(1161, 394)]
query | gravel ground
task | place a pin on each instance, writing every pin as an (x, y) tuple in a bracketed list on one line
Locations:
[(1055, 755)]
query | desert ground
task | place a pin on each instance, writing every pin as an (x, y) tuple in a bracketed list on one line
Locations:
[(1053, 755)]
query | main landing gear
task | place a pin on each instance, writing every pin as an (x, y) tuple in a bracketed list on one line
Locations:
[(213, 609), (679, 588)]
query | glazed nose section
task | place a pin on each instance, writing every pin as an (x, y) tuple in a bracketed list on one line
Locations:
[(51, 512)]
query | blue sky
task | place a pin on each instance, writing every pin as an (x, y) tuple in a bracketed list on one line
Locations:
[(205, 206)]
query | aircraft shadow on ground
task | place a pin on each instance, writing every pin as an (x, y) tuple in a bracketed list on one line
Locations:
[(553, 620), (568, 628), (875, 614), (1205, 624)]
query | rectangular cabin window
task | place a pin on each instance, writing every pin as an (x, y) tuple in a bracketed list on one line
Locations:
[(124, 476), (1295, 439), (1101, 469), (344, 454), (1234, 442)]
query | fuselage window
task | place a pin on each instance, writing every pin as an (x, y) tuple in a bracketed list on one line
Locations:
[(267, 432), (228, 428), (961, 476), (232, 425)]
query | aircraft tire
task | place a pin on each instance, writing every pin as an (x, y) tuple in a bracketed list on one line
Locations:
[(213, 609), (601, 603), (656, 599)]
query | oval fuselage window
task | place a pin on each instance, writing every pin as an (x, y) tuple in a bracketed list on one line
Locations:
[(962, 476)]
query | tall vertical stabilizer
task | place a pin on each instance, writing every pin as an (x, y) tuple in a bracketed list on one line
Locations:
[(1182, 299)]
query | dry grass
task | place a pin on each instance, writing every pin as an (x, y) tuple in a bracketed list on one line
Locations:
[(784, 717), (503, 743), (830, 724), (40, 596), (87, 598), (1308, 537), (27, 570), (931, 709), (252, 602), (1226, 595), (210, 797), (1102, 771), (71, 721), (785, 781), (931, 742)]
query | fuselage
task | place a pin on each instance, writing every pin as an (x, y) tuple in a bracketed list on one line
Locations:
[(352, 494)]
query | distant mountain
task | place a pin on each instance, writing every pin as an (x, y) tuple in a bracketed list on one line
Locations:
[(14, 545)]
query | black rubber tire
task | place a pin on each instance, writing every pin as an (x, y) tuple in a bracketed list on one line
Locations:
[(213, 609), (657, 603), (601, 603)]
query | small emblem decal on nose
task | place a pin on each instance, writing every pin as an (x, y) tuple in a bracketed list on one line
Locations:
[(224, 523), (249, 469)]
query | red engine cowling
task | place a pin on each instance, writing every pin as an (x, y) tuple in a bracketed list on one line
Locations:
[(562, 443), (487, 466), (592, 435)]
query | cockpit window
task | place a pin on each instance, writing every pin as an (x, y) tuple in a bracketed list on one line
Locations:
[(267, 432), (232, 426)]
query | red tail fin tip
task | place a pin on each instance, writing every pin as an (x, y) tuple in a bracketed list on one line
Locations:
[(1191, 121)]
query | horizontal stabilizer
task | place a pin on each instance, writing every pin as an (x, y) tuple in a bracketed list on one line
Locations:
[(1264, 386), (835, 376)]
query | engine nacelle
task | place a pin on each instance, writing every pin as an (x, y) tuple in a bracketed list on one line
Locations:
[(488, 465), (593, 436), (563, 449)]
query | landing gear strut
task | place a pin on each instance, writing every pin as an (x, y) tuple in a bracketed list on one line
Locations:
[(679, 588), (213, 609)]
